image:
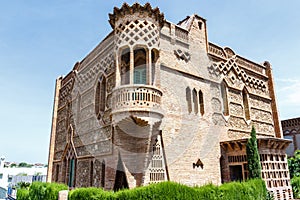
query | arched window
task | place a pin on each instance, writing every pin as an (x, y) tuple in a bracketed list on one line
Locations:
[(246, 104), (100, 96), (72, 168), (188, 99), (103, 174), (195, 101), (125, 66), (92, 174), (140, 74), (224, 98), (201, 102)]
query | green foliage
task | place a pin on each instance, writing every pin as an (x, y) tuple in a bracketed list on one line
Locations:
[(23, 194), (52, 190), (37, 191), (23, 185), (251, 190), (296, 187), (13, 165), (253, 156), (294, 164), (41, 191), (24, 164), (85, 193)]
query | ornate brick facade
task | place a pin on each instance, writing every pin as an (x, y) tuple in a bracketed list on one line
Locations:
[(156, 101)]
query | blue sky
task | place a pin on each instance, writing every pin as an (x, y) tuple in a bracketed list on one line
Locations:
[(41, 40)]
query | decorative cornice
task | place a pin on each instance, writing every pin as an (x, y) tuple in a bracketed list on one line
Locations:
[(129, 10)]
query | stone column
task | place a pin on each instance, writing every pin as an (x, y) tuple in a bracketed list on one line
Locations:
[(149, 68), (131, 81), (118, 73)]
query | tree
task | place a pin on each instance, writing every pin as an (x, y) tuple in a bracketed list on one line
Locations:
[(294, 164), (253, 156), (24, 164)]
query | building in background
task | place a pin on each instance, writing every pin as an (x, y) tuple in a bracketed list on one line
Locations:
[(156, 101), (11, 176), (291, 131)]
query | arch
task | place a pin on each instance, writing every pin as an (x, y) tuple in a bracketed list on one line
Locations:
[(91, 173), (195, 101), (246, 103), (201, 102), (188, 99), (103, 174), (125, 66), (120, 179), (140, 69), (224, 98), (100, 96)]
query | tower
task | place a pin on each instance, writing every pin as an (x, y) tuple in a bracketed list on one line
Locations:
[(136, 98)]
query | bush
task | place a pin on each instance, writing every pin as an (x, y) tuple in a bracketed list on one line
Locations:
[(296, 187), (23, 194)]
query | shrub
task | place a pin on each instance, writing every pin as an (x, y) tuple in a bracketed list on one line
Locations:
[(23, 194), (49, 191)]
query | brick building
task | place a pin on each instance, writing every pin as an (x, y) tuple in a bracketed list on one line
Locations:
[(156, 101), (291, 131)]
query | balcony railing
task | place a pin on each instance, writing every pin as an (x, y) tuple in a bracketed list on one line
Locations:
[(136, 98)]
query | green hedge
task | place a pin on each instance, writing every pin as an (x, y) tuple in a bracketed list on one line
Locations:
[(41, 191), (23, 194), (296, 187), (250, 190)]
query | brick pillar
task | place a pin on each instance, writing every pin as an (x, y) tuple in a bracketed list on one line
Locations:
[(53, 130)]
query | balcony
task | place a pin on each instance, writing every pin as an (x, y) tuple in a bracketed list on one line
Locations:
[(142, 101)]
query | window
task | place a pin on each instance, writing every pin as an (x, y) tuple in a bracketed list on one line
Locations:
[(57, 173), (103, 174), (201, 102), (188, 99), (92, 174), (72, 173), (246, 104), (140, 75), (195, 101), (224, 98), (9, 179), (1, 176), (100, 96), (125, 66)]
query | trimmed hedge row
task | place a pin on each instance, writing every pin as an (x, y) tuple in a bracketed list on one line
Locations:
[(41, 191), (250, 190)]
